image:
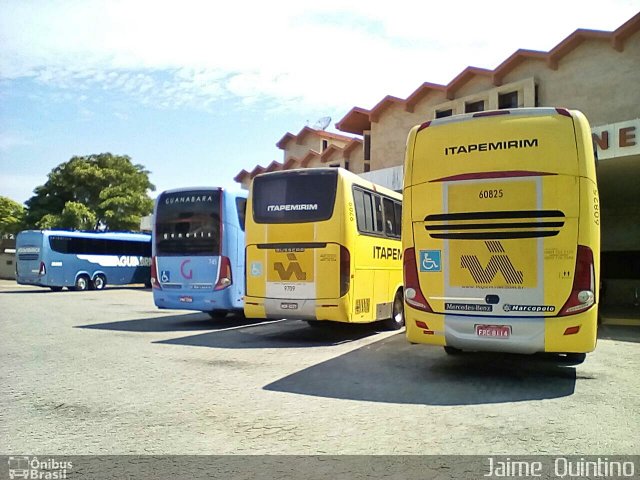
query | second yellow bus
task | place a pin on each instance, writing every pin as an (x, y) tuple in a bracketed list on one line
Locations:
[(323, 244)]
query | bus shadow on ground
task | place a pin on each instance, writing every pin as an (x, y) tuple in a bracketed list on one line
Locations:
[(393, 371), (174, 323), (280, 334)]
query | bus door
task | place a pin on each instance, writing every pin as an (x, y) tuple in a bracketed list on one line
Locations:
[(499, 237)]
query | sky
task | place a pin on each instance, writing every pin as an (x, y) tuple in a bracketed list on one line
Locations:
[(196, 91)]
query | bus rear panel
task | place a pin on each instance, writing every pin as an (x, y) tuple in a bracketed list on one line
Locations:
[(502, 244), (198, 242), (293, 269)]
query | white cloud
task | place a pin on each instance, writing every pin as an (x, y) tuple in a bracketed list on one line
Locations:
[(9, 140), (326, 54)]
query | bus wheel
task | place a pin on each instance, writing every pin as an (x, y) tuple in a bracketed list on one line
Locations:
[(99, 282), (396, 322), (82, 283), (56, 289), (217, 314)]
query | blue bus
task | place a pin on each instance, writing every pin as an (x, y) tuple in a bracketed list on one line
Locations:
[(198, 250), (82, 260)]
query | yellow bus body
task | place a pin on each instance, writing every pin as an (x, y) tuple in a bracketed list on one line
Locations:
[(501, 232), (320, 270)]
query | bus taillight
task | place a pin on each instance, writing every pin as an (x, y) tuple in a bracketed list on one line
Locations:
[(583, 291), (154, 274), (224, 280), (412, 292), (345, 270), (43, 269)]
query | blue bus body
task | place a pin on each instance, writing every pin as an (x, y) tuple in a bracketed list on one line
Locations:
[(198, 250), (82, 260)]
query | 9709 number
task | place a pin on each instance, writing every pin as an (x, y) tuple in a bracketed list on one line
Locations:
[(491, 194)]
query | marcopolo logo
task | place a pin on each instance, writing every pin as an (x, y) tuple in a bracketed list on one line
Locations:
[(507, 307), (35, 468)]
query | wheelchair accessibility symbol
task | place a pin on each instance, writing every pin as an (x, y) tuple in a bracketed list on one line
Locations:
[(165, 276), (430, 261)]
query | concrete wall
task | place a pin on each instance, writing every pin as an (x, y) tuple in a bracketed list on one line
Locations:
[(7, 266)]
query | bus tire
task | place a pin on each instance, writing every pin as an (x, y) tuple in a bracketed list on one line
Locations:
[(82, 283), (56, 289), (396, 322), (218, 314), (99, 282)]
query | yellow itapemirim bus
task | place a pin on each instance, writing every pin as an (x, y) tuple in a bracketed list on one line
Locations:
[(501, 233), (323, 244)]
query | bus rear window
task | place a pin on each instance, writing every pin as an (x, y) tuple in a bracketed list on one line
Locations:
[(294, 197), (188, 223)]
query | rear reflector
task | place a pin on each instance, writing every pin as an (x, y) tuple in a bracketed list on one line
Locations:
[(572, 330), (422, 325), (412, 293), (582, 294)]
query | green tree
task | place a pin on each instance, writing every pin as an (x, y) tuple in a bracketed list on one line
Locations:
[(11, 216), (94, 191)]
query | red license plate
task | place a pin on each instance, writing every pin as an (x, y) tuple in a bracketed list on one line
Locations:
[(498, 331)]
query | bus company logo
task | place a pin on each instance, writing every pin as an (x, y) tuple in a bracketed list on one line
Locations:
[(188, 199), (28, 250), (292, 207), (186, 274), (292, 269), (507, 307), (33, 468), (387, 253), (133, 261), (490, 146), (499, 262)]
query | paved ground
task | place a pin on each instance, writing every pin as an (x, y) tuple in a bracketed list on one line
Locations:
[(106, 372)]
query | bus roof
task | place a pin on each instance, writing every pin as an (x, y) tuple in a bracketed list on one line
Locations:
[(84, 234), (529, 112), (237, 193), (345, 174)]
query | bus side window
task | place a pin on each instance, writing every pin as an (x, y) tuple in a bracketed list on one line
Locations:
[(378, 214), (389, 218), (364, 210)]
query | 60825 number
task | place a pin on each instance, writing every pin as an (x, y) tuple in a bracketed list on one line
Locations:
[(491, 194)]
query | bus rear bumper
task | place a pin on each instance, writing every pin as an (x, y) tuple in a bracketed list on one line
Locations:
[(527, 335), (309, 309), (203, 302)]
